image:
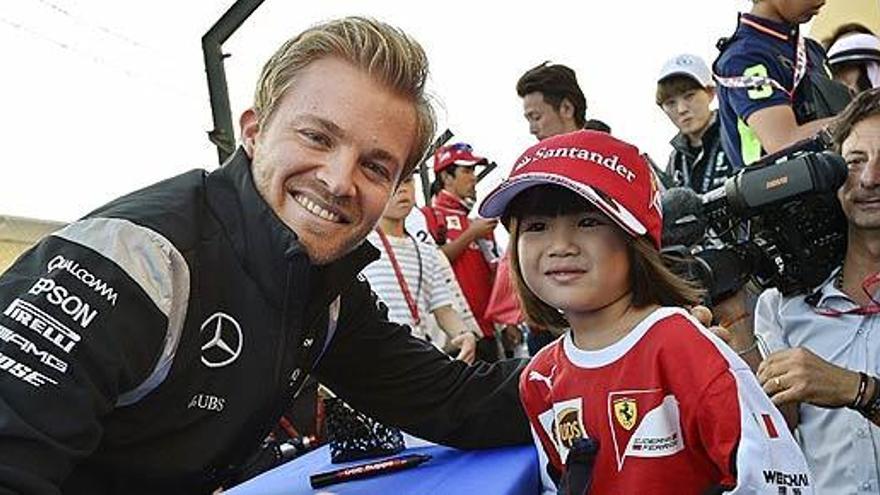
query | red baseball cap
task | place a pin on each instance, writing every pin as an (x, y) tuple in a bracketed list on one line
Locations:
[(456, 154), (609, 173)]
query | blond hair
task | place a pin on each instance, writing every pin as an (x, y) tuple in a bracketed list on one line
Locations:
[(385, 52)]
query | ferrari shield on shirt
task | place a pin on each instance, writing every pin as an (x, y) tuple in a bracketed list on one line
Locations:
[(673, 409)]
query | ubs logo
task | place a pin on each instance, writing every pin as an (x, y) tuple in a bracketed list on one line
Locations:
[(222, 340), (207, 402)]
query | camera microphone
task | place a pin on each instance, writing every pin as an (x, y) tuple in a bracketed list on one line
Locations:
[(684, 223)]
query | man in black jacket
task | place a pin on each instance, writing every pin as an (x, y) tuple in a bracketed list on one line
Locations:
[(149, 347), (684, 92)]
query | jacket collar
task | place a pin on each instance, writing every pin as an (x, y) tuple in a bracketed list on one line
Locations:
[(781, 31), (262, 242), (448, 201)]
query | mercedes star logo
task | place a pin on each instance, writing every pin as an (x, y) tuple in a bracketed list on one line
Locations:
[(224, 340)]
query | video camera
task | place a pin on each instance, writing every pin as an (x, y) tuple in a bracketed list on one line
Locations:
[(777, 222)]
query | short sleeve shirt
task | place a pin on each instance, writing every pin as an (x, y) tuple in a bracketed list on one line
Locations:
[(416, 259), (842, 447), (764, 48)]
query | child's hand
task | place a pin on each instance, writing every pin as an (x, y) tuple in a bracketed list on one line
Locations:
[(467, 343), (702, 314), (482, 227)]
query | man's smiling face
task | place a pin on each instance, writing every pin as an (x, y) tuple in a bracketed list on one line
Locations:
[(327, 160)]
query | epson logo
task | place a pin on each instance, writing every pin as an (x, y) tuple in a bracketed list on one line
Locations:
[(69, 303), (83, 275), (28, 347)]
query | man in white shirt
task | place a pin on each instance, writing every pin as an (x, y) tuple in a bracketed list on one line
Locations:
[(822, 354)]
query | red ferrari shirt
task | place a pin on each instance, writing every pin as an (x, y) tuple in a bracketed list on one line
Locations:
[(674, 411), (447, 219)]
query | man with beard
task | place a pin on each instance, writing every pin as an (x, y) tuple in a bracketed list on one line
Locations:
[(820, 360), (152, 345)]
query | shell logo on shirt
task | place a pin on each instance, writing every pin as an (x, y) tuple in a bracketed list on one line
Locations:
[(626, 411)]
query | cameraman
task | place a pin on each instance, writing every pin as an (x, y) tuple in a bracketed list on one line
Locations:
[(823, 354), (773, 87)]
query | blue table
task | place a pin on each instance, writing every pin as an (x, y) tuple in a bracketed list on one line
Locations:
[(501, 471)]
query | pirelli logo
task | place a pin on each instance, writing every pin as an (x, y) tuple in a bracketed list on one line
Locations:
[(38, 321)]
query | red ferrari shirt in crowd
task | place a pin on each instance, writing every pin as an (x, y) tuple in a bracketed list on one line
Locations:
[(673, 409), (447, 219)]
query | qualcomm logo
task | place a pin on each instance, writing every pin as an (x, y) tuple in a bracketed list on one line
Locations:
[(222, 339)]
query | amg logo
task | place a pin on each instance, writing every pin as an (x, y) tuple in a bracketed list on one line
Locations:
[(34, 318), (28, 347), (786, 479), (96, 284)]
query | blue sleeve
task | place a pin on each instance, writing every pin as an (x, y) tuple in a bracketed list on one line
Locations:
[(746, 101)]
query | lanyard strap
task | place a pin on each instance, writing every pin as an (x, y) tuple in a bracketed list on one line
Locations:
[(872, 308), (800, 69), (404, 287)]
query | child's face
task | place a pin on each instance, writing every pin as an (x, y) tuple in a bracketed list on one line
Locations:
[(576, 263), (402, 201)]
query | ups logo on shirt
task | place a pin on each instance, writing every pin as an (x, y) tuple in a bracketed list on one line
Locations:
[(569, 426)]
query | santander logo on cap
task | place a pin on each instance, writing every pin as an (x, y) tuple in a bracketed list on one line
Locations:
[(611, 162), (611, 174)]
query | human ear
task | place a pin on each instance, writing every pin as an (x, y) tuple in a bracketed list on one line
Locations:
[(249, 124)]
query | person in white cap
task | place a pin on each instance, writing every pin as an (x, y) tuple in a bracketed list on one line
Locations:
[(685, 91), (854, 59)]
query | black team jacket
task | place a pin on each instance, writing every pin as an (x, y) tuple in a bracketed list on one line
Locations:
[(151, 346)]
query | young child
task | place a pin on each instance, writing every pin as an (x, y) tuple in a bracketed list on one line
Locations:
[(414, 283), (673, 409)]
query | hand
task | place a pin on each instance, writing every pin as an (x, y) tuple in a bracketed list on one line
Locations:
[(735, 326), (467, 343), (704, 316), (798, 375), (481, 227)]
